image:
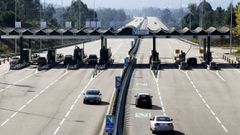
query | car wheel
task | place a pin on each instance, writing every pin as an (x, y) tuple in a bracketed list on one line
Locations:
[(84, 102)]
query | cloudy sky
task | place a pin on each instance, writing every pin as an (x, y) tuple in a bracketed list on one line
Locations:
[(131, 4)]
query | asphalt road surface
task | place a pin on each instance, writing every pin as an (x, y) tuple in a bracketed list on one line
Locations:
[(200, 101)]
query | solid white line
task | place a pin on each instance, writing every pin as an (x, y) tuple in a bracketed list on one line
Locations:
[(208, 106), (212, 112), (4, 122), (67, 113), (62, 121), (225, 129), (218, 120), (55, 132), (220, 76)]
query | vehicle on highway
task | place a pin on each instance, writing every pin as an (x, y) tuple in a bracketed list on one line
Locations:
[(14, 61), (143, 100), (68, 60), (161, 123), (192, 61), (92, 96), (92, 59), (42, 61)]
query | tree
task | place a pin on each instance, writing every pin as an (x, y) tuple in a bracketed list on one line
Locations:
[(237, 28), (227, 19), (76, 14)]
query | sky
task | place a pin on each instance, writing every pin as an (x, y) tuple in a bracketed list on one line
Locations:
[(137, 4)]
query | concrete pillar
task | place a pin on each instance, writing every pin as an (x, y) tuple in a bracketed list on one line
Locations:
[(30, 43), (208, 44), (204, 49), (102, 42), (21, 49), (154, 44)]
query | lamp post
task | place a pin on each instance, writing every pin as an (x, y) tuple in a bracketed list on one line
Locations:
[(15, 25), (79, 19), (231, 27)]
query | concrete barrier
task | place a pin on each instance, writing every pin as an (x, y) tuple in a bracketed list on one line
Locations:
[(232, 60)]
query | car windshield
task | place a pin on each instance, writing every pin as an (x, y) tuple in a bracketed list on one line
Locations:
[(144, 96), (163, 119), (93, 92), (93, 56)]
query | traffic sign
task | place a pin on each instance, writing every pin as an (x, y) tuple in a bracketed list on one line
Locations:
[(110, 122), (126, 61), (117, 82)]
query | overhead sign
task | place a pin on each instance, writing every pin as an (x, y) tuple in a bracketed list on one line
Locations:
[(93, 24), (110, 122), (126, 62), (68, 25), (117, 82), (18, 24), (43, 25)]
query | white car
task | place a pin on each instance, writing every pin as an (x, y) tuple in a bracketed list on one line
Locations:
[(161, 123)]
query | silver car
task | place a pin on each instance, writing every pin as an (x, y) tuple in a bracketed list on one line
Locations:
[(161, 123), (92, 96)]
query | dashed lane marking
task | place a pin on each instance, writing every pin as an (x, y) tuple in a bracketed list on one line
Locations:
[(29, 101), (205, 103), (159, 92), (72, 106)]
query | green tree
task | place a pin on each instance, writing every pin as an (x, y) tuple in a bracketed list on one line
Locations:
[(227, 18), (73, 13), (237, 28)]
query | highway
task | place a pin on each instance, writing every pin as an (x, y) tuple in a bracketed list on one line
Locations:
[(51, 102), (200, 101)]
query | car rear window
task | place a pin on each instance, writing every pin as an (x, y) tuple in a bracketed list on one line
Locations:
[(163, 119), (92, 56), (92, 92)]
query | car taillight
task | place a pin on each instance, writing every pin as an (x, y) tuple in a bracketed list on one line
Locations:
[(156, 124)]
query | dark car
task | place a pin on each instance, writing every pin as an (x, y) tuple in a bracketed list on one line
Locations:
[(192, 61), (92, 96), (143, 100), (68, 59), (92, 59), (42, 61)]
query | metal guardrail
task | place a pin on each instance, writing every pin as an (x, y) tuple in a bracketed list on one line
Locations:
[(120, 109)]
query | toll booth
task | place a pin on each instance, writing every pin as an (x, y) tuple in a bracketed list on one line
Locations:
[(51, 56), (26, 55), (105, 53), (154, 58), (78, 55)]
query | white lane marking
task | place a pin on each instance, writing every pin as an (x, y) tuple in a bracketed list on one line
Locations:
[(55, 132), (205, 103), (108, 110), (159, 93), (72, 106), (29, 101), (217, 72), (1, 90)]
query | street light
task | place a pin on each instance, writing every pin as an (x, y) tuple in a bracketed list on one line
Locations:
[(231, 27)]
